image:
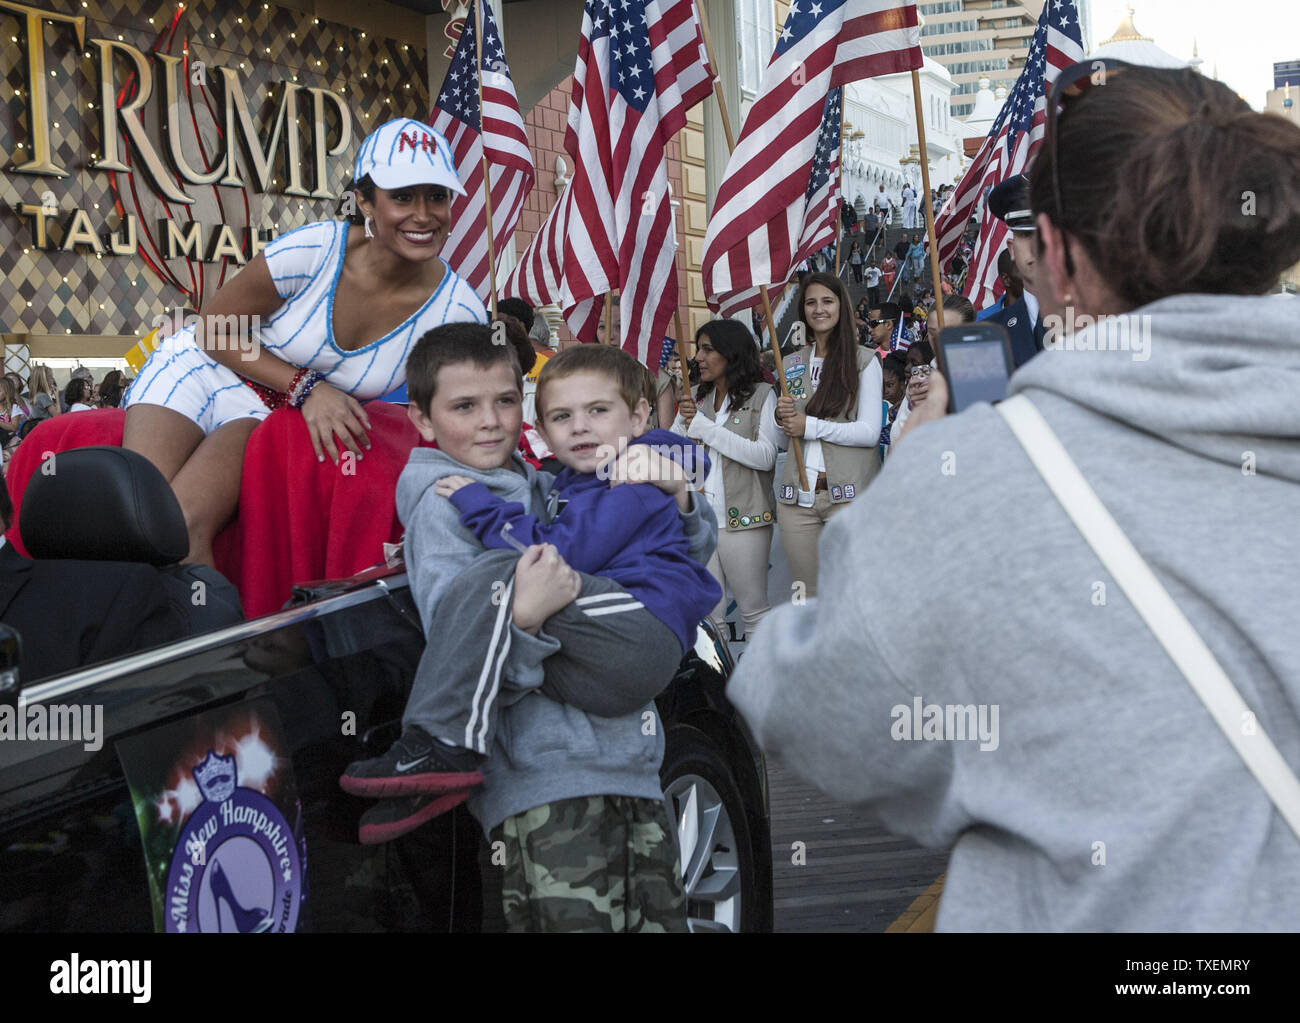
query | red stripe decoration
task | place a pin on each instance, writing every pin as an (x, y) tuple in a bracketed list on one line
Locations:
[(769, 209), (641, 66), (500, 130)]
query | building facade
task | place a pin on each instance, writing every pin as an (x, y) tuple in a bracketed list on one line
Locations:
[(977, 39), (239, 120)]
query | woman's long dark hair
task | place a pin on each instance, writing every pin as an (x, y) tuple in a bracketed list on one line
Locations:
[(837, 390), (732, 340)]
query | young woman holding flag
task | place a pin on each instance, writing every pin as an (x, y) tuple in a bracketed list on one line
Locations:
[(834, 405), (733, 413)]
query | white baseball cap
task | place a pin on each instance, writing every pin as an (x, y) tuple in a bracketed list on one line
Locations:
[(406, 152)]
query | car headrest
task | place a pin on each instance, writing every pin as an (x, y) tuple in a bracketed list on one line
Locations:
[(102, 504)]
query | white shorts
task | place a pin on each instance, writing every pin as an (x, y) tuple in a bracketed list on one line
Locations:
[(184, 379)]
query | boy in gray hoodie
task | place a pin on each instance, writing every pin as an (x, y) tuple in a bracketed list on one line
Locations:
[(562, 763)]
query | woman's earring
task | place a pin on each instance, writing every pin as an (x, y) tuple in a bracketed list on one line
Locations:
[(370, 233)]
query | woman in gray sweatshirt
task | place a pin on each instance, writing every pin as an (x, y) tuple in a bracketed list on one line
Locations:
[(1013, 705)]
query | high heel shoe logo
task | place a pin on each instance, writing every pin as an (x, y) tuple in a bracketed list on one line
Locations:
[(247, 921), (236, 867)]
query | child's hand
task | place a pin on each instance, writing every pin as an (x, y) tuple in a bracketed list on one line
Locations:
[(544, 584), (640, 463), (448, 485)]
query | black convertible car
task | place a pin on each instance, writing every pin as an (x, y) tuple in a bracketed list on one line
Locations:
[(71, 853)]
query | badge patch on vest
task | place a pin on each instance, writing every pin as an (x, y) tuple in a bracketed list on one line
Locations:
[(850, 492), (837, 493), (787, 492)]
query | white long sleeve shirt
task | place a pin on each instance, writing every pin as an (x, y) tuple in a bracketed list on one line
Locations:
[(710, 428), (863, 432)]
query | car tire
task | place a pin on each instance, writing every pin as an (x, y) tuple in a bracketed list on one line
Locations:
[(715, 842)]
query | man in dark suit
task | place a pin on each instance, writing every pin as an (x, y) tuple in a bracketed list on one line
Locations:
[(1021, 317), (74, 613)]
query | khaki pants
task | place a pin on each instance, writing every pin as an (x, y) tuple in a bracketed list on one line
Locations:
[(740, 564), (801, 528)]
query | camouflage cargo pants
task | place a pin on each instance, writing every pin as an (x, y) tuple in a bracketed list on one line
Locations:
[(596, 864)]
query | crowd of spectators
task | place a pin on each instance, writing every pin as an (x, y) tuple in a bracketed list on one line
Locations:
[(24, 404)]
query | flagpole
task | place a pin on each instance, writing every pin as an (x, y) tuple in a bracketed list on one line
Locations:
[(929, 207), (795, 444), (839, 209), (609, 321), (487, 179)]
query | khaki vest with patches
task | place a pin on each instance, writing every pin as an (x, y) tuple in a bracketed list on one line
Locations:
[(751, 501), (848, 469)]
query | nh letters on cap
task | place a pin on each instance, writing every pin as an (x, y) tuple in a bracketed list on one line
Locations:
[(416, 140)]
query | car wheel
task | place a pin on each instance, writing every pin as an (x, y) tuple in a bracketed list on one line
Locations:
[(713, 834)]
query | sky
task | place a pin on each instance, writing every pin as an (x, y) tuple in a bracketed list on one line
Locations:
[(1244, 37)]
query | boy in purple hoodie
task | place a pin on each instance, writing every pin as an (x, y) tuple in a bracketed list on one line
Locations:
[(633, 610)]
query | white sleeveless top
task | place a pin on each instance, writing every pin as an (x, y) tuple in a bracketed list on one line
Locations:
[(305, 265)]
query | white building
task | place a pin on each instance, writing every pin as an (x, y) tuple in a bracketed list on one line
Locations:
[(880, 147), (1128, 44)]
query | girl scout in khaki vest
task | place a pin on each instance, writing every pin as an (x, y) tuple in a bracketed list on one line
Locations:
[(733, 414), (834, 405)]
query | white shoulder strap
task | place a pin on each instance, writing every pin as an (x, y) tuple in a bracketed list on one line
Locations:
[(1175, 633)]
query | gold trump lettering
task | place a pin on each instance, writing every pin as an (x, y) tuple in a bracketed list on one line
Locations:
[(126, 121), (38, 97)]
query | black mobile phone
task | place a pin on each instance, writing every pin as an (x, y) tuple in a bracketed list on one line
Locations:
[(976, 362)]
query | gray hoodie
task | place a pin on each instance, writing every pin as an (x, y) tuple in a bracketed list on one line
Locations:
[(545, 751), (1101, 796)]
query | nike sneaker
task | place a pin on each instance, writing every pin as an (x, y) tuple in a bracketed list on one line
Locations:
[(416, 764), (391, 818)]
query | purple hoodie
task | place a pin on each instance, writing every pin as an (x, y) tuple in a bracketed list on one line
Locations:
[(630, 534)]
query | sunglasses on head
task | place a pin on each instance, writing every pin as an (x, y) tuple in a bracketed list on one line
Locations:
[(1072, 83)]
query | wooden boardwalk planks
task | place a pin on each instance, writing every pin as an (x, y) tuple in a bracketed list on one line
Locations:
[(848, 873)]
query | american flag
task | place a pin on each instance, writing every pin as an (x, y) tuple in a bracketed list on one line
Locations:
[(1012, 142), (768, 212), (501, 130), (641, 66), (538, 277)]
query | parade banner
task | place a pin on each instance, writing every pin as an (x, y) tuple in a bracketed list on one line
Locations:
[(214, 796)]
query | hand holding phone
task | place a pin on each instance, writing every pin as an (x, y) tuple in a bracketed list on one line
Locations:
[(977, 363)]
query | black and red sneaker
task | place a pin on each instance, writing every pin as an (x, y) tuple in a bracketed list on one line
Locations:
[(391, 818), (416, 764)]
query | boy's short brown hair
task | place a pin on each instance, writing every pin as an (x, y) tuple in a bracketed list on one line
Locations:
[(447, 345), (628, 374)]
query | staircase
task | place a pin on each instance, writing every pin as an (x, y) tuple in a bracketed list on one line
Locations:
[(889, 238)]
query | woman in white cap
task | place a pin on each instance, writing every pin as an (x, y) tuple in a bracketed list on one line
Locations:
[(321, 321)]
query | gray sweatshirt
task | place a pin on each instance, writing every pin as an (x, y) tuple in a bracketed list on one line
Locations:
[(1101, 795), (545, 751)]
